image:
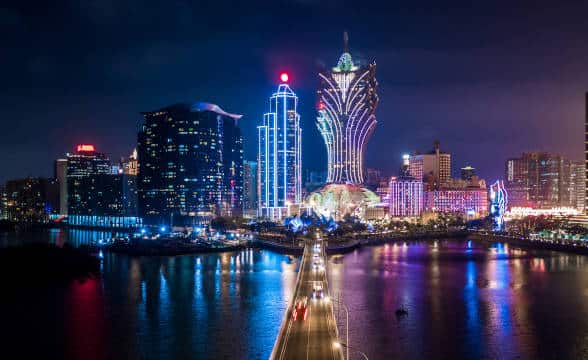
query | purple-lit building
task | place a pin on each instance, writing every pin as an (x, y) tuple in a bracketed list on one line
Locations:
[(406, 197), (472, 202)]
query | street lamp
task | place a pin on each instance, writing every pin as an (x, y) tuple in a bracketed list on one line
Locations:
[(346, 325), (337, 345)]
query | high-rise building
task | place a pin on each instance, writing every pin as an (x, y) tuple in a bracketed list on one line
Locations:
[(406, 197), (31, 199), (279, 155), (249, 185), (577, 184), (61, 176), (405, 167), (538, 179), (113, 194), (190, 164), (94, 186), (467, 173), (347, 102), (131, 165), (82, 164), (586, 156), (373, 178), (433, 168), (3, 203)]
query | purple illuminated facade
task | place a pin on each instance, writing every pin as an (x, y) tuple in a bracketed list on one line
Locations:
[(347, 102), (472, 202), (406, 197)]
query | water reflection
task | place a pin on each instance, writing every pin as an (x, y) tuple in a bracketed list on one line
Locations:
[(465, 299), (59, 237), (209, 306)]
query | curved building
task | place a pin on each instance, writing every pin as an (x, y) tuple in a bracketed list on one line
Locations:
[(347, 102), (190, 161)]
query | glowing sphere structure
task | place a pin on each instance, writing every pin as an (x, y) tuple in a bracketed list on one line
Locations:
[(338, 200), (346, 116)]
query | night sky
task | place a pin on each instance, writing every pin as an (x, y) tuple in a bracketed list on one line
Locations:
[(488, 79)]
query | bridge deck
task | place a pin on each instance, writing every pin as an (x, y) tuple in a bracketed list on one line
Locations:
[(312, 338)]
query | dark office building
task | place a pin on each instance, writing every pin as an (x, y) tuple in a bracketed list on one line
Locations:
[(82, 164), (106, 195), (31, 199), (190, 164), (250, 185), (95, 187)]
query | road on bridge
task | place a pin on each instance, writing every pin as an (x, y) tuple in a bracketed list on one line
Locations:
[(312, 332)]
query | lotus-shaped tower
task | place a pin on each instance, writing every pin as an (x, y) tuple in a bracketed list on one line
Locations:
[(347, 102)]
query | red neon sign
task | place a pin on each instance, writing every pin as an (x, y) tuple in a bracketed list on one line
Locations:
[(85, 148)]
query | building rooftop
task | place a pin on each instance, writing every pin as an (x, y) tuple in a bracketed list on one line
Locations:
[(196, 107)]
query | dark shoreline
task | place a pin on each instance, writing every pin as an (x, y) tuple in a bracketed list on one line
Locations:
[(169, 251), (32, 265)]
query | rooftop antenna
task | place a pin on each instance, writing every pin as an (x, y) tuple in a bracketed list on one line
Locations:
[(345, 42)]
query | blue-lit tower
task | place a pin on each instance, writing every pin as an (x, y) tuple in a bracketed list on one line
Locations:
[(279, 155), (498, 203)]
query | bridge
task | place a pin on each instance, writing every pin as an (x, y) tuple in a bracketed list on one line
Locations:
[(309, 329)]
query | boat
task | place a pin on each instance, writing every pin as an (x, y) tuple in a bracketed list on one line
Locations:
[(401, 311)]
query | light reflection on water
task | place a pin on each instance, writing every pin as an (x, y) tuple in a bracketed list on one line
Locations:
[(207, 306), (465, 300)]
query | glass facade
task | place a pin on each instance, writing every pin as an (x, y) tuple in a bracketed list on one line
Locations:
[(190, 164), (280, 156), (541, 180)]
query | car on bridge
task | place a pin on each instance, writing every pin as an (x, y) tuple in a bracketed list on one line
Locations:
[(317, 291), (300, 310), (317, 265)]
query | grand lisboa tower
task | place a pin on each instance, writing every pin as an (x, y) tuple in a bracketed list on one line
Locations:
[(347, 102)]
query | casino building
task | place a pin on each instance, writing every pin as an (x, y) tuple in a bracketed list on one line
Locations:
[(347, 102)]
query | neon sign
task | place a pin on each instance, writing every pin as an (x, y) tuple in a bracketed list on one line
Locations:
[(85, 148)]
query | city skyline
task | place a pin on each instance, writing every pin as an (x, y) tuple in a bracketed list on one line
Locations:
[(440, 86), (294, 179)]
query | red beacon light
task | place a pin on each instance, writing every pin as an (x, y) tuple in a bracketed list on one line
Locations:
[(284, 77), (85, 148)]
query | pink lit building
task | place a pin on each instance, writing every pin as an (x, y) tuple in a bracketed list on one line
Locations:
[(405, 196), (472, 202)]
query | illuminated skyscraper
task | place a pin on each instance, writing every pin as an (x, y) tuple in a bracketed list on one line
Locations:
[(347, 102), (433, 168), (190, 164), (279, 155)]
